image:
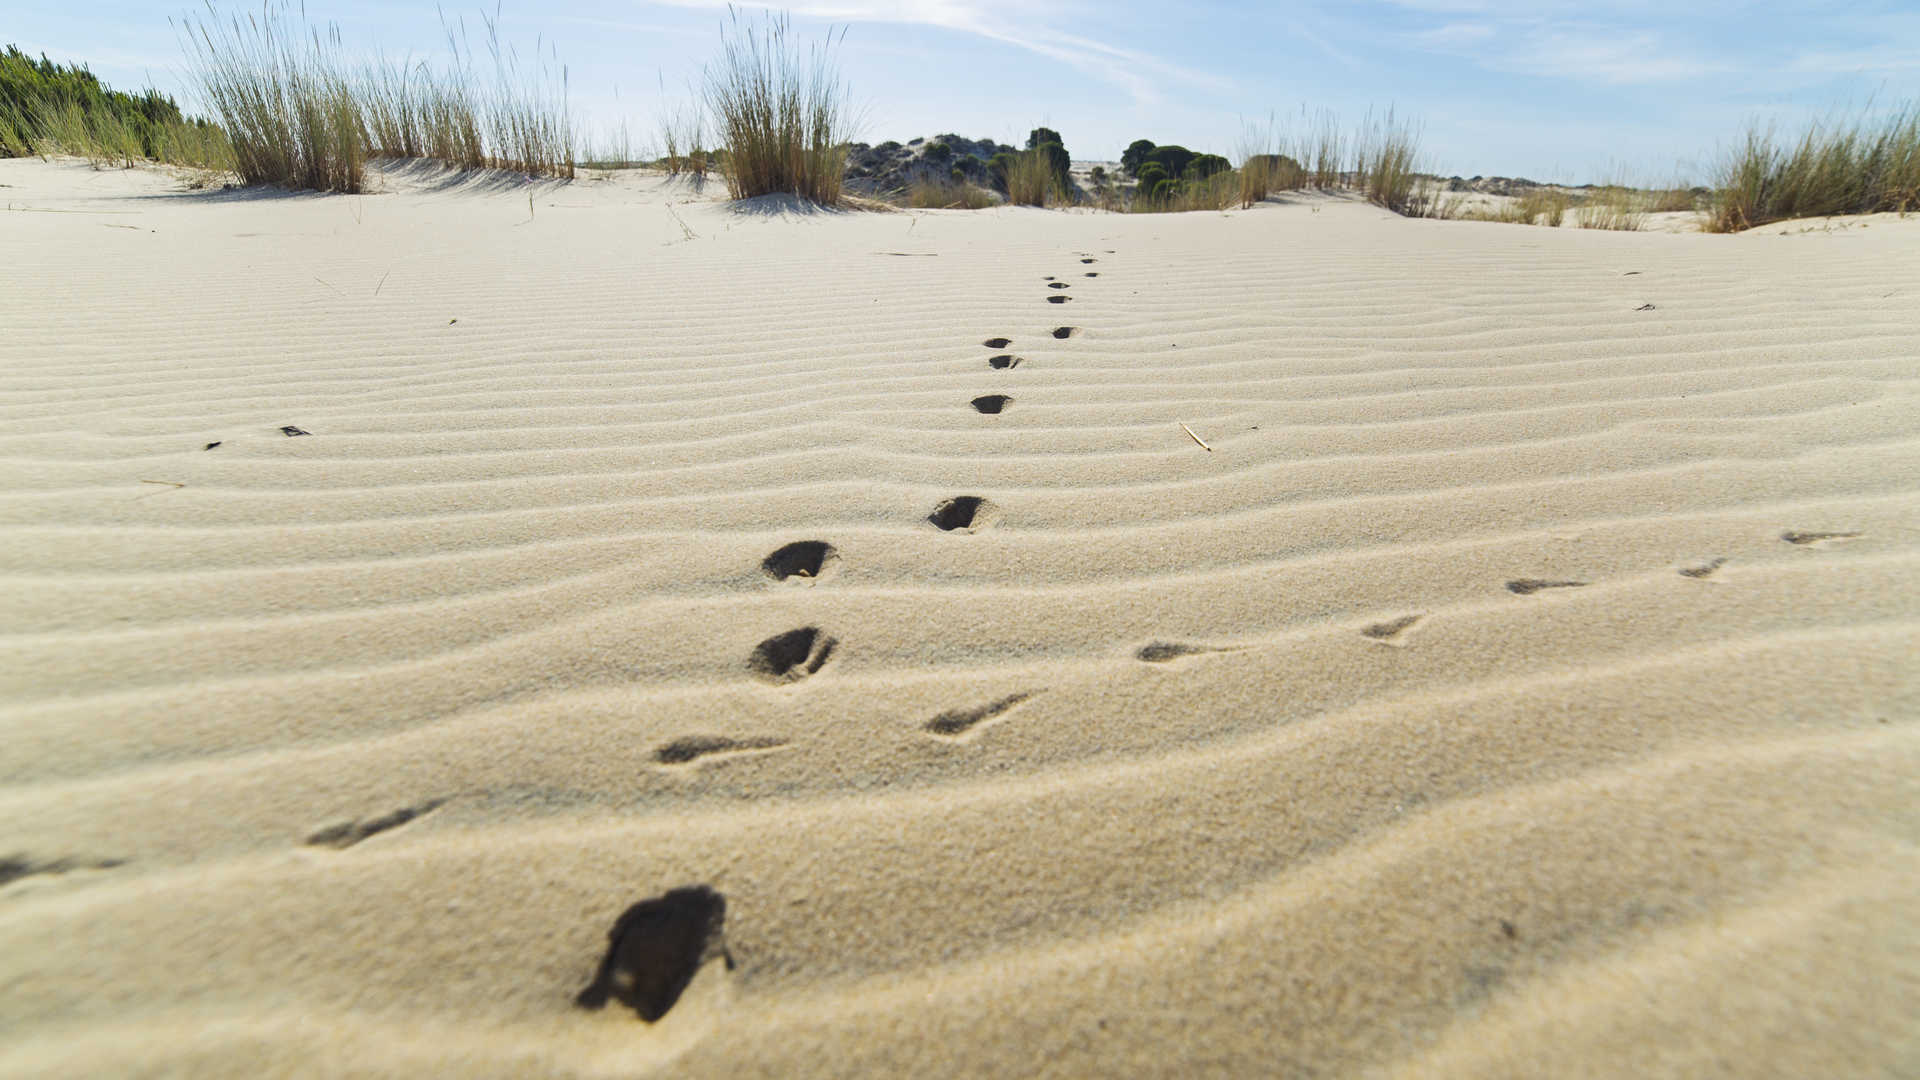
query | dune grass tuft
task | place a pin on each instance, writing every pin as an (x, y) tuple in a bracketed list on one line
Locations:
[(298, 112), (1861, 166), (948, 195), (1613, 206), (783, 118), (1031, 180)]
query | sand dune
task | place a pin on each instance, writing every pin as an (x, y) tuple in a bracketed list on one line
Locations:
[(399, 588)]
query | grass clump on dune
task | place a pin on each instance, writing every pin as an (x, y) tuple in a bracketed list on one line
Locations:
[(1857, 167), (948, 195), (783, 118), (298, 112)]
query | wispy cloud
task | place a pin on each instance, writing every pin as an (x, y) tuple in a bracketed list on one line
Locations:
[(1021, 25)]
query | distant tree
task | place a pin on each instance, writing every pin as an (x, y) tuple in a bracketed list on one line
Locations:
[(1135, 155), (1098, 174), (1041, 136), (1205, 165), (1172, 158)]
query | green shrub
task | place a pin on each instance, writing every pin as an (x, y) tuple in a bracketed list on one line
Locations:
[(1134, 156), (939, 151), (1204, 166), (1150, 174)]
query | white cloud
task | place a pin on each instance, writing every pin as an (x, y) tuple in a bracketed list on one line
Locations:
[(1011, 23)]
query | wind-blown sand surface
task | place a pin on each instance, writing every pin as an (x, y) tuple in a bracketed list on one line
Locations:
[(1523, 684)]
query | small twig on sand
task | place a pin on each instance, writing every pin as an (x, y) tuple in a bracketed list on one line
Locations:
[(691, 235), (174, 484), (328, 284), (383, 282), (1195, 438)]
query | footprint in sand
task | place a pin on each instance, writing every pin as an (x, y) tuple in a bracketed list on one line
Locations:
[(1161, 652), (957, 722), (964, 513), (991, 404), (1819, 539), (792, 656), (1089, 260), (1064, 332), (1003, 362), (15, 867), (656, 947), (1389, 632), (997, 342), (345, 834), (804, 560), (1058, 299), (1703, 570), (1529, 586), (1059, 285), (690, 748)]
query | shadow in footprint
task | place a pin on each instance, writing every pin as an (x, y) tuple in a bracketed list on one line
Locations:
[(1059, 285), (806, 559), (1089, 260), (1818, 539), (348, 833), (960, 721), (1064, 332), (1388, 633), (1003, 362), (1058, 299), (997, 342), (1160, 652), (1529, 586), (991, 404), (962, 513), (656, 947), (792, 656), (689, 748), (1704, 570), (15, 867), (1093, 273)]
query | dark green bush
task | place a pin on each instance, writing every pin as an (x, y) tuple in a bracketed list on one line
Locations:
[(997, 168), (939, 151), (1135, 155), (1041, 136), (1174, 159), (1205, 165)]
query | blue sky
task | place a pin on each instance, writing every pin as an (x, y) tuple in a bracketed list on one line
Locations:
[(1552, 90)]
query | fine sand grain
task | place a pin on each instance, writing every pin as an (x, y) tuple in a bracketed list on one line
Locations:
[(440, 628)]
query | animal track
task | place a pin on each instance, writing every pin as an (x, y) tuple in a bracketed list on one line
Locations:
[(991, 404), (1388, 633), (689, 748), (1704, 570), (1058, 299), (1160, 652), (1529, 586), (1003, 362), (1064, 332), (656, 947), (348, 833), (969, 512), (960, 721), (1818, 539), (792, 656), (15, 867), (997, 342), (807, 559)]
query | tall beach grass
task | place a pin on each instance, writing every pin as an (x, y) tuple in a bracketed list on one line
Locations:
[(783, 117), (1859, 166), (300, 111)]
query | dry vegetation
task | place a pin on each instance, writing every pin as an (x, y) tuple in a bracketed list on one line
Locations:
[(1861, 166), (782, 118), (298, 112)]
